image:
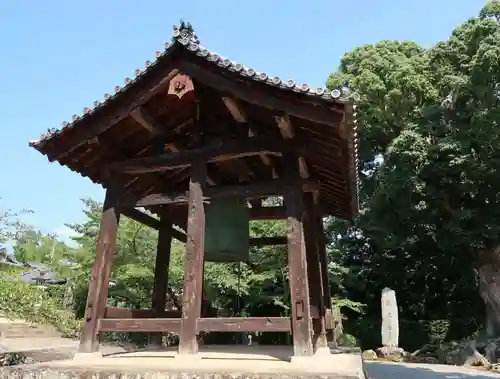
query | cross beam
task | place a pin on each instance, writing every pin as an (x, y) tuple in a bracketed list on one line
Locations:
[(216, 152)]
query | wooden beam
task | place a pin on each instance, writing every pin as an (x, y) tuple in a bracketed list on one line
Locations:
[(101, 270), (239, 116), (260, 189), (117, 109), (268, 241), (304, 168), (244, 324), (194, 257), (162, 264), (235, 110), (149, 123), (288, 133), (174, 148), (144, 325), (113, 312), (150, 221), (217, 152), (145, 121), (141, 217), (317, 114), (267, 213), (285, 126)]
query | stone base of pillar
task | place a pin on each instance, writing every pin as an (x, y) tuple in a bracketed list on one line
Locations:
[(322, 351)]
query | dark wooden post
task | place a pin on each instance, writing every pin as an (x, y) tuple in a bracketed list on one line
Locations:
[(314, 273), (162, 264), (193, 270), (297, 265), (323, 262), (101, 270)]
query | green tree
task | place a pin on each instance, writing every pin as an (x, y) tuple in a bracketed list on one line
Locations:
[(428, 121)]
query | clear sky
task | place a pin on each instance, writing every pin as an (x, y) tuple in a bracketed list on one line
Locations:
[(58, 57)]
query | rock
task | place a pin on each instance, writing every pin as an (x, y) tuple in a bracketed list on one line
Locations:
[(464, 354), (386, 351), (495, 367), (426, 350), (490, 352), (369, 355), (429, 360), (481, 352), (441, 352), (475, 358)]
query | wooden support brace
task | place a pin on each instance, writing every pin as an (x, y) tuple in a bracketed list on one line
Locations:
[(267, 241), (217, 152), (152, 222), (254, 190), (244, 324), (113, 312), (144, 325)]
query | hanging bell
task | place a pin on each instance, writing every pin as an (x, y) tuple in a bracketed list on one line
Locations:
[(227, 234)]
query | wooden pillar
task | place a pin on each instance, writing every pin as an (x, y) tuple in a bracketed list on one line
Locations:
[(314, 273), (99, 282), (193, 270), (323, 262), (297, 265), (162, 264)]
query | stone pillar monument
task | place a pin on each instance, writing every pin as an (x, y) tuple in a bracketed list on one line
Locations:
[(390, 322)]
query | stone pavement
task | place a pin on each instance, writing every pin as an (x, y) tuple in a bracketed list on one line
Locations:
[(383, 370)]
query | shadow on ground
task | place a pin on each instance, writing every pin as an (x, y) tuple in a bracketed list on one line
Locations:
[(377, 370)]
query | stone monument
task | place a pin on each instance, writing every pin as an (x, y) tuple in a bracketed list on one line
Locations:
[(390, 323)]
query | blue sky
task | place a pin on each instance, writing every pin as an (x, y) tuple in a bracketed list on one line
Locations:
[(60, 56)]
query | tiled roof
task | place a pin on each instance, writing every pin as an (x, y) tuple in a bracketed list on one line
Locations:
[(185, 38)]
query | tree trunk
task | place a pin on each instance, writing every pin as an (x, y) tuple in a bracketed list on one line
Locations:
[(489, 288)]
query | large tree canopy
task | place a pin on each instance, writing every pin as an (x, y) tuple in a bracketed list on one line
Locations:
[(430, 149)]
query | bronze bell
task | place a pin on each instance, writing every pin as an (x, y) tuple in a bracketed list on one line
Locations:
[(227, 234)]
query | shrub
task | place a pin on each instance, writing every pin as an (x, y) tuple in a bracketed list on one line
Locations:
[(347, 340), (33, 304), (12, 359)]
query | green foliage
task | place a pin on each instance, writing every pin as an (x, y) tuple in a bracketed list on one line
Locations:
[(347, 340), (353, 306), (11, 224), (19, 300), (430, 142), (11, 270)]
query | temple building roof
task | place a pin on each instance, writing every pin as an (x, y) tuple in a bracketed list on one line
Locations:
[(157, 105)]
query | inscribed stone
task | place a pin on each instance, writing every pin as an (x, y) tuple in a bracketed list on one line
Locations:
[(390, 326)]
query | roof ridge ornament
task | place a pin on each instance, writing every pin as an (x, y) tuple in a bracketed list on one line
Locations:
[(184, 33)]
